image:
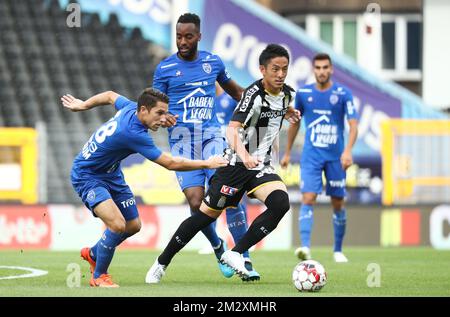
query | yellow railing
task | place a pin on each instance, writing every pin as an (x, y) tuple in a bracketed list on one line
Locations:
[(26, 140), (399, 182)]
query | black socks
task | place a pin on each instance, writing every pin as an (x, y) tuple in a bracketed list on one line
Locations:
[(185, 232)]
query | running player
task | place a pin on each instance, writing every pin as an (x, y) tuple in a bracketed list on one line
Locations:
[(237, 224), (255, 124), (96, 175), (188, 77)]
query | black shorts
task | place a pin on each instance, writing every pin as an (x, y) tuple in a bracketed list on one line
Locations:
[(229, 183)]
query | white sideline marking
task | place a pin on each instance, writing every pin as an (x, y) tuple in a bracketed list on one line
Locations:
[(33, 272)]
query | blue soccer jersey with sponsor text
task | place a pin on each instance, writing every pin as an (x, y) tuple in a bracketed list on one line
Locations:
[(190, 86), (116, 139), (324, 115)]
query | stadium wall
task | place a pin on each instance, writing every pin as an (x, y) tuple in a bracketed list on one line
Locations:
[(70, 227), (368, 225)]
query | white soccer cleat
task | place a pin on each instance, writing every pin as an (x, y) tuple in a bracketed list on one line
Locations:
[(303, 253), (339, 257), (235, 260), (155, 273)]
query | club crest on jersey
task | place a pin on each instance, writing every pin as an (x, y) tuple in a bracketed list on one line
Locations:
[(91, 195), (178, 73), (207, 68), (334, 99), (227, 190), (310, 99)]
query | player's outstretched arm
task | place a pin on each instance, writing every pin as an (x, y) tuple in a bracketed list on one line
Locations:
[(183, 164), (74, 104), (292, 134)]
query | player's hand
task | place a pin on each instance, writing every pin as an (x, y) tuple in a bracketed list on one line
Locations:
[(73, 104), (171, 120), (285, 160), (251, 162), (216, 161), (292, 115), (346, 159)]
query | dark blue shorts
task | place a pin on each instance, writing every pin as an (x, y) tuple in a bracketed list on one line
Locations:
[(311, 177), (94, 190)]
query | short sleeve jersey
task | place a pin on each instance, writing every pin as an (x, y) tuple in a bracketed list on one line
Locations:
[(190, 86), (323, 113), (116, 139)]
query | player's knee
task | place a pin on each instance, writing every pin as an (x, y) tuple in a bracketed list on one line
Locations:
[(195, 205), (134, 228), (278, 200), (138, 227), (337, 203), (195, 200), (308, 199), (118, 225)]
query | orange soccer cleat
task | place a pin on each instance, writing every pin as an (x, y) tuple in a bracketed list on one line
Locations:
[(103, 280), (86, 255)]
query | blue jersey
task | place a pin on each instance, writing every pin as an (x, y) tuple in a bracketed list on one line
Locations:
[(225, 106), (324, 113), (116, 139), (190, 86)]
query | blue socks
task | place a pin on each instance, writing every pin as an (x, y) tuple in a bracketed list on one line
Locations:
[(93, 250), (105, 251), (210, 233), (339, 223), (305, 223), (237, 224)]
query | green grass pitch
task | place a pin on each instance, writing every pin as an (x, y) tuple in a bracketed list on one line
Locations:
[(404, 272)]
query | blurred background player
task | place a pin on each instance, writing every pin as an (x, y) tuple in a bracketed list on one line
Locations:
[(323, 105), (98, 179), (188, 77), (264, 105)]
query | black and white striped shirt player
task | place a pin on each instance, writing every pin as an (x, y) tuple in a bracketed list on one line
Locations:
[(261, 116), (264, 112)]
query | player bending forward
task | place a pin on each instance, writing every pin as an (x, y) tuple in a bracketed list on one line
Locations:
[(255, 124), (97, 178)]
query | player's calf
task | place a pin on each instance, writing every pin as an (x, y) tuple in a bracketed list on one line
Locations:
[(185, 232), (277, 205)]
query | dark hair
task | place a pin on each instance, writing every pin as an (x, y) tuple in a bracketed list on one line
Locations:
[(272, 51), (149, 98), (190, 18), (321, 57)]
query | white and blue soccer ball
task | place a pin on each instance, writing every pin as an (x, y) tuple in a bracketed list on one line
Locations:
[(309, 276)]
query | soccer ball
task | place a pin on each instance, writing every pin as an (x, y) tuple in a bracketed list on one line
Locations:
[(309, 276)]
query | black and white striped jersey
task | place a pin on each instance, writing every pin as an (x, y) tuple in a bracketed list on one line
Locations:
[(261, 115)]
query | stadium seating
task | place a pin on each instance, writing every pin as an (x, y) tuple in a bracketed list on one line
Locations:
[(41, 59)]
